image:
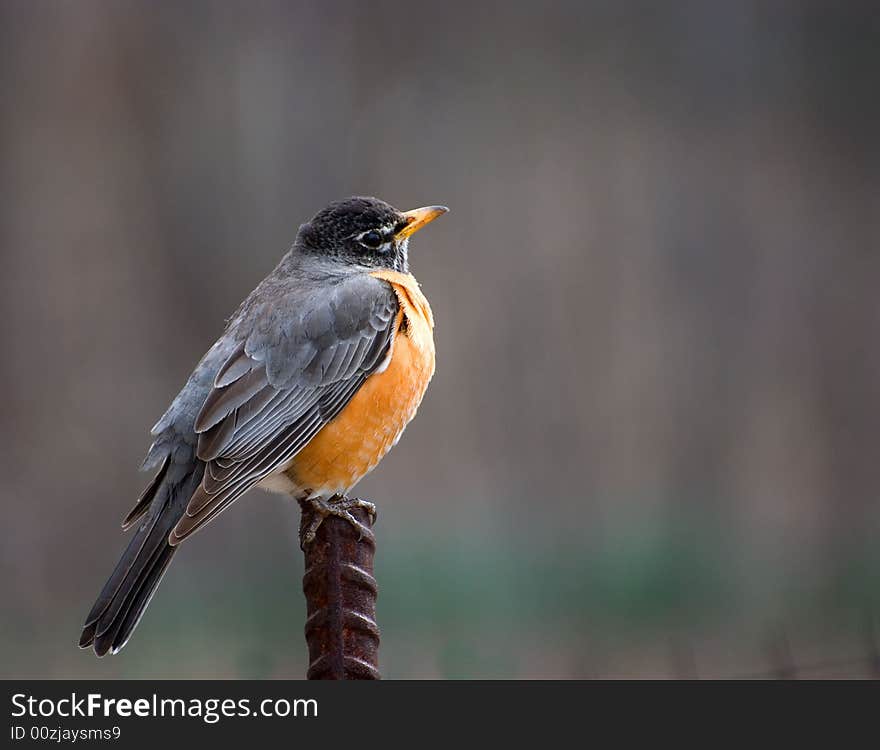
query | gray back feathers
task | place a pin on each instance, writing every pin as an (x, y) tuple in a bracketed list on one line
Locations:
[(291, 358)]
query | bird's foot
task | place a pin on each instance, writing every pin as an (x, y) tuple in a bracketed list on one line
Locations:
[(339, 506)]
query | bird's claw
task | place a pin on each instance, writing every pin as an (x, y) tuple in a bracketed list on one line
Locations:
[(338, 506)]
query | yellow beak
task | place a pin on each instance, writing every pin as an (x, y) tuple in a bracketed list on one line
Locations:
[(418, 218)]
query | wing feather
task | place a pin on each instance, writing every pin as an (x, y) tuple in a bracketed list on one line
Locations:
[(300, 360)]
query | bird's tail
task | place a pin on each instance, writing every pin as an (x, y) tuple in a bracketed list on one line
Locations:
[(130, 587)]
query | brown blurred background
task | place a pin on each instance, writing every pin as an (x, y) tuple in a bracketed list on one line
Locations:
[(651, 446)]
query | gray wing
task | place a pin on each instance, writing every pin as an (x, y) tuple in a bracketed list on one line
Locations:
[(298, 359)]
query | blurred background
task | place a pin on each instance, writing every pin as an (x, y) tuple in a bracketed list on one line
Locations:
[(651, 445)]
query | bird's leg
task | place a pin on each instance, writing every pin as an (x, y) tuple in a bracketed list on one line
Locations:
[(339, 506)]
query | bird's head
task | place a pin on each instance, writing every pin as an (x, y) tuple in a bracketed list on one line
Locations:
[(365, 231)]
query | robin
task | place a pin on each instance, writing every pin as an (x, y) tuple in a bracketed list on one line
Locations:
[(313, 381)]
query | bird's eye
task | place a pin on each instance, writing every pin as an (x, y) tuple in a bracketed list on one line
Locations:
[(371, 239)]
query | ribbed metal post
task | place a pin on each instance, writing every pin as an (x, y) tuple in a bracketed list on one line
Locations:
[(341, 630)]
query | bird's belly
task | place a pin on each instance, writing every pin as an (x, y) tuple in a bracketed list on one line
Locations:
[(351, 445)]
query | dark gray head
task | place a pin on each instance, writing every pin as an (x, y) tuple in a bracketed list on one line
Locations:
[(364, 231)]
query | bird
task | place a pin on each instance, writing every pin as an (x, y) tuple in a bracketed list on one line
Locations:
[(313, 381)]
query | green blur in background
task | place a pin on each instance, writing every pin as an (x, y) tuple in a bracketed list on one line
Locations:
[(650, 448)]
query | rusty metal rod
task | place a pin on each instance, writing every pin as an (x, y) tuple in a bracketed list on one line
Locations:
[(341, 630)]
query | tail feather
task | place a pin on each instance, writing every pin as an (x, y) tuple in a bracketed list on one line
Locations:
[(146, 498), (145, 594), (130, 587), (119, 629)]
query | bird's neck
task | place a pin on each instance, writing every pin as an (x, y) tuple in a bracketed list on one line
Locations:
[(409, 293)]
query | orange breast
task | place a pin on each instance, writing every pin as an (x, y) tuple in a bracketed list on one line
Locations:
[(351, 445)]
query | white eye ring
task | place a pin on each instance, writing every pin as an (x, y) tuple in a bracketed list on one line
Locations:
[(371, 239), (380, 240)]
